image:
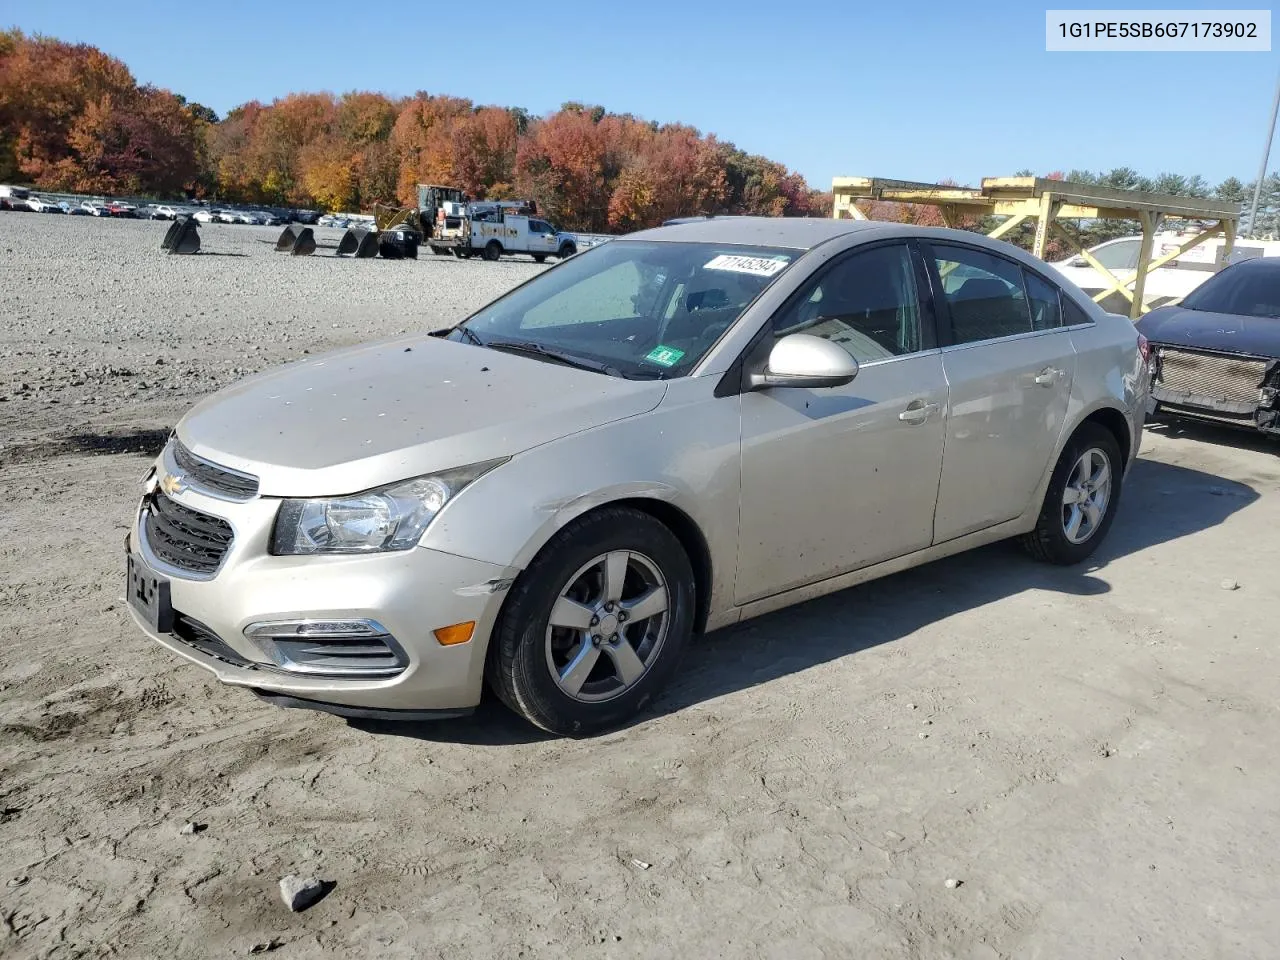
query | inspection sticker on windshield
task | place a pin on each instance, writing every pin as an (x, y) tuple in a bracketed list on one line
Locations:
[(756, 266), (664, 356)]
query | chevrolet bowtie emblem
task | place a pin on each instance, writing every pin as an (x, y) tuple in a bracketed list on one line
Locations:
[(172, 484)]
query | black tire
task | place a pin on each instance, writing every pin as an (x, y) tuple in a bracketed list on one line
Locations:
[(1049, 541), (492, 250), (439, 251), (518, 666), (540, 258), (567, 250)]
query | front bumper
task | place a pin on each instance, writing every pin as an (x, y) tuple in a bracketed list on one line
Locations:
[(411, 593), (1250, 400)]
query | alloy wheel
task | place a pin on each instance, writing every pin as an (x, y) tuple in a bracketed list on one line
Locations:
[(1086, 495), (607, 626)]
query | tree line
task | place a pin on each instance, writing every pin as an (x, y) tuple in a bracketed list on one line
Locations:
[(73, 118)]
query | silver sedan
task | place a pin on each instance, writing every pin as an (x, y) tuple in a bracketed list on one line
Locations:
[(666, 434)]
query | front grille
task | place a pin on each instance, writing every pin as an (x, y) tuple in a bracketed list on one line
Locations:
[(1228, 383), (184, 538), (213, 479), (195, 634)]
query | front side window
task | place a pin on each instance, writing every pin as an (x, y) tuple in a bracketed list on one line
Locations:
[(634, 308), (866, 303), (983, 292)]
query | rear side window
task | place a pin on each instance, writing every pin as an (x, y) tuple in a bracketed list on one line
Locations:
[(1072, 315), (983, 292), (1045, 311)]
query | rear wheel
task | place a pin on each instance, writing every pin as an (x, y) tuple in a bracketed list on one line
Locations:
[(1080, 503), (492, 250), (540, 258), (596, 625)]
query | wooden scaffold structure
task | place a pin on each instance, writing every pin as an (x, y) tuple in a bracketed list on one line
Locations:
[(1049, 202)]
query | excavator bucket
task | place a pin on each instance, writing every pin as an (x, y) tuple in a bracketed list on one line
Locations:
[(359, 243), (183, 236), (297, 240), (174, 227)]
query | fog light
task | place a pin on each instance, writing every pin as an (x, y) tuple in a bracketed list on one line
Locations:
[(456, 633), (335, 648)]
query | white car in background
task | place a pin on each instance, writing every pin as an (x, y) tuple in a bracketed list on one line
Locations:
[(163, 212), (39, 205), (93, 208), (204, 216), (1168, 283)]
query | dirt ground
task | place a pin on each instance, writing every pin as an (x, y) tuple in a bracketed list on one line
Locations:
[(1089, 752)]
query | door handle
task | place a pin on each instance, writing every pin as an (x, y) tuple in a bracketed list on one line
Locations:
[(1048, 376), (918, 411)]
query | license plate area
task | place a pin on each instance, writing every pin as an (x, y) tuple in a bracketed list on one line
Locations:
[(148, 594)]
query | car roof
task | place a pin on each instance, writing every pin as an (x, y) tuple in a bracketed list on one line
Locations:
[(800, 233)]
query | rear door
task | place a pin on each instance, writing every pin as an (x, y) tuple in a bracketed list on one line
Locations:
[(1009, 363)]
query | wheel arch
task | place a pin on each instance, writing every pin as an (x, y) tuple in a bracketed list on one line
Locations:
[(674, 518), (1114, 421)]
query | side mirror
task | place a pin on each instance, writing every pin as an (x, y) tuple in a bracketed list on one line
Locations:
[(803, 360), (1079, 262)]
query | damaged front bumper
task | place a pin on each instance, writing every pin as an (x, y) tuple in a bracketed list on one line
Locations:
[(1255, 407)]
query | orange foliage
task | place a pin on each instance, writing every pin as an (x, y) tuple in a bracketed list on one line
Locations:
[(73, 117)]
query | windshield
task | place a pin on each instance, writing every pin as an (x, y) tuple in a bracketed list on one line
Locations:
[(636, 308), (1244, 290)]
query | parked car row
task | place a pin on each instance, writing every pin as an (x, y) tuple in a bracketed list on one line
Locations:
[(265, 218), (20, 199)]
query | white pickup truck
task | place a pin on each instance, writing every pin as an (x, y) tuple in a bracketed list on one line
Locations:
[(490, 231)]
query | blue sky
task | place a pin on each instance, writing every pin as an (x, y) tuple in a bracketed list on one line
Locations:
[(894, 89)]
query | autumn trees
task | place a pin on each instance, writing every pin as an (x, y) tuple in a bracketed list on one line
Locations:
[(73, 118)]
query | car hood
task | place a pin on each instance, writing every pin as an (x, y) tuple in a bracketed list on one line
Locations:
[(1225, 332), (374, 414)]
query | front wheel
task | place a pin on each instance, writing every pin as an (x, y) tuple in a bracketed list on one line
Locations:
[(596, 625), (567, 250), (492, 250), (1080, 503)]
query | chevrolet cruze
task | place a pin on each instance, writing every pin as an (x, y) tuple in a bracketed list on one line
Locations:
[(666, 434)]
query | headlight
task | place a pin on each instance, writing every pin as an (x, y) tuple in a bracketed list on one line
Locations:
[(388, 518)]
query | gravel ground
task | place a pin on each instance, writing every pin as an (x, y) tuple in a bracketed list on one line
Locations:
[(99, 321), (982, 758)]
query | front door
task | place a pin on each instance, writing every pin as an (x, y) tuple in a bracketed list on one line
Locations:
[(1010, 365), (840, 478)]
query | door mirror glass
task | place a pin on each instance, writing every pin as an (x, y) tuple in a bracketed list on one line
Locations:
[(803, 360)]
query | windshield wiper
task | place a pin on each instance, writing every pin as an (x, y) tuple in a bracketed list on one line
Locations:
[(470, 334), (538, 350)]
